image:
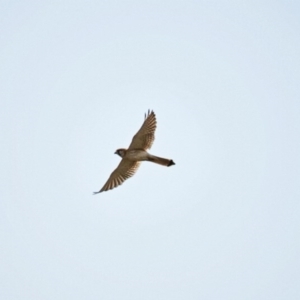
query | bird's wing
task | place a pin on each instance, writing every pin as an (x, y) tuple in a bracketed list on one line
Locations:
[(145, 136), (125, 170)]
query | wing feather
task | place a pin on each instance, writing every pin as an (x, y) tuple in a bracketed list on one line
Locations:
[(144, 138), (125, 170)]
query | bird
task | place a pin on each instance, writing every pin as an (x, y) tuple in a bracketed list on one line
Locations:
[(135, 154)]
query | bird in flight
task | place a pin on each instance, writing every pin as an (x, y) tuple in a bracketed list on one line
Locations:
[(135, 154)]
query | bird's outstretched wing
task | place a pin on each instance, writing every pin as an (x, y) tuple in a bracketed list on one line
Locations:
[(145, 136), (125, 170)]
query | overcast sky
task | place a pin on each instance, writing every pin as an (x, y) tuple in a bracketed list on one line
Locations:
[(223, 78)]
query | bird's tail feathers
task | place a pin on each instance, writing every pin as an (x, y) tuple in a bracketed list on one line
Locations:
[(161, 161)]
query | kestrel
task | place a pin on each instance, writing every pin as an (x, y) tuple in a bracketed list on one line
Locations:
[(135, 154)]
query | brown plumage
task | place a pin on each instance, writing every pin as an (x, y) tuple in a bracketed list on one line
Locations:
[(144, 138), (135, 154)]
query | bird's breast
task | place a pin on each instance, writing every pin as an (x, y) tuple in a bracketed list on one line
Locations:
[(137, 155)]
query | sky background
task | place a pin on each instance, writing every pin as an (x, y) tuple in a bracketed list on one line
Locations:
[(223, 78)]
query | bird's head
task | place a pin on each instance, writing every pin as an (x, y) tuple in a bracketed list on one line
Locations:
[(121, 152)]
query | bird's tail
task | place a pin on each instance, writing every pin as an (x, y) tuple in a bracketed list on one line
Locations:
[(161, 161)]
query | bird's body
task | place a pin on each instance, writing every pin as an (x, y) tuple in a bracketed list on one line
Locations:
[(142, 155), (135, 154)]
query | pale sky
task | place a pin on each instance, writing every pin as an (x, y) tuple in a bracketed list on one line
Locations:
[(223, 78)]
